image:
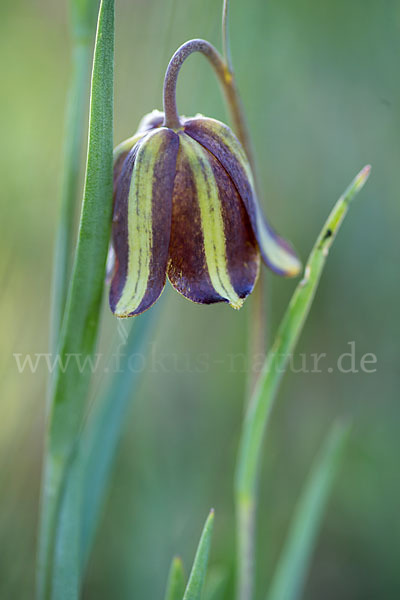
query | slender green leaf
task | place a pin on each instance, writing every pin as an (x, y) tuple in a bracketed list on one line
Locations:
[(199, 569), (80, 324), (83, 27), (176, 580), (289, 577), (89, 472), (264, 395), (102, 432), (66, 572)]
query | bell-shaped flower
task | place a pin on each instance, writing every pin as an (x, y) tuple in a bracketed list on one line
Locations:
[(185, 207)]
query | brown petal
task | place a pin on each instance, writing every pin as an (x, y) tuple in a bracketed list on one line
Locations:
[(277, 253), (213, 252)]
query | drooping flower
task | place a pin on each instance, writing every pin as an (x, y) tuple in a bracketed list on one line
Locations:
[(185, 207)]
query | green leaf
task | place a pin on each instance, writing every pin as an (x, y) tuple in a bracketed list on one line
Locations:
[(199, 569), (74, 137), (89, 473), (176, 580), (102, 432), (80, 324), (261, 403), (66, 572), (290, 574)]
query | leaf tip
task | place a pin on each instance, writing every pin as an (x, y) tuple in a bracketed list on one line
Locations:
[(362, 177), (209, 524)]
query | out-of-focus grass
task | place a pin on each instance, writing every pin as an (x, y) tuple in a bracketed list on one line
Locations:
[(320, 85)]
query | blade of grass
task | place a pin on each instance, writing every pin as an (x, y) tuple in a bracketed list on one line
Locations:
[(176, 580), (83, 27), (199, 569), (290, 574), (88, 474), (104, 426), (261, 403), (71, 378), (66, 571)]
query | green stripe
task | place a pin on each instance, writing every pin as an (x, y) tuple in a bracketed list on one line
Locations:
[(211, 219), (140, 225)]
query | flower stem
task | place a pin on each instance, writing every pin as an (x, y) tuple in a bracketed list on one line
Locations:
[(169, 97), (226, 79), (225, 36), (224, 70), (257, 338), (259, 410)]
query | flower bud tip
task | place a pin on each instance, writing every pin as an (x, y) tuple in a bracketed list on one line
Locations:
[(237, 304)]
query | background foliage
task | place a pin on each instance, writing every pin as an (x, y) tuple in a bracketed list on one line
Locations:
[(319, 84)]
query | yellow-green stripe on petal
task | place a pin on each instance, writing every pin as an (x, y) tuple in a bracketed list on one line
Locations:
[(142, 223), (140, 235), (126, 145), (212, 223), (218, 139)]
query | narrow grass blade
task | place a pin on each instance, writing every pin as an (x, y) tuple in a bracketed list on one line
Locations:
[(66, 572), (176, 580), (263, 397), (88, 474), (103, 430), (83, 27), (289, 577), (199, 569), (80, 325)]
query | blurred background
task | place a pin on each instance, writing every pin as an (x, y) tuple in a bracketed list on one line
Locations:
[(320, 84)]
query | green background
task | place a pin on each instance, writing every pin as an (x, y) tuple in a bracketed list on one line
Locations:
[(320, 85)]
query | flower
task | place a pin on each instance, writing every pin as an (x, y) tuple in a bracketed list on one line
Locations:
[(185, 207)]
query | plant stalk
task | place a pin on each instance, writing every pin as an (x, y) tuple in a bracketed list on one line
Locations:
[(257, 335), (226, 79), (225, 36), (259, 410)]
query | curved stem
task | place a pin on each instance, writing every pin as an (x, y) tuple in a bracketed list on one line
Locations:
[(169, 96), (226, 79)]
